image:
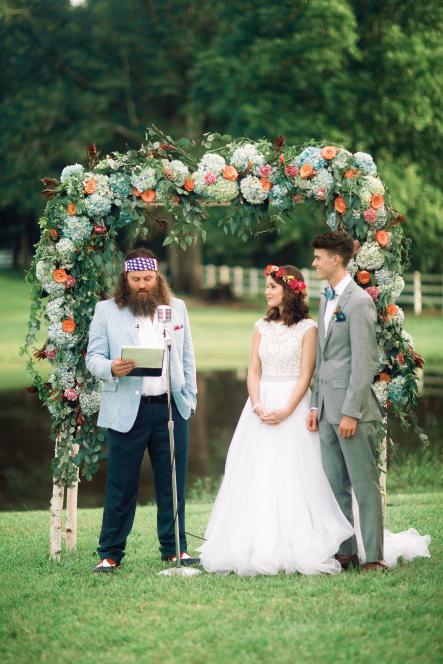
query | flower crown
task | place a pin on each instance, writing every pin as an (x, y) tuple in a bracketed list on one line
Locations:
[(292, 282)]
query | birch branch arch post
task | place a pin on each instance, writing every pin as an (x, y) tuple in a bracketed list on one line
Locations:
[(253, 180)]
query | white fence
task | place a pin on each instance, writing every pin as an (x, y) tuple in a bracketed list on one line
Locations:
[(421, 290)]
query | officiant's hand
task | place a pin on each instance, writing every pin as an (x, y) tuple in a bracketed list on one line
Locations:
[(275, 417), (347, 426), (122, 367)]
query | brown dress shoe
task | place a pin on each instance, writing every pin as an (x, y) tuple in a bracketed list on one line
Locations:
[(375, 566), (348, 562)]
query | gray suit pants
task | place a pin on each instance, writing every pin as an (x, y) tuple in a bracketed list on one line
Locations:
[(351, 463)]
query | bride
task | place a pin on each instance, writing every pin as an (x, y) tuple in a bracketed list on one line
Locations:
[(275, 510)]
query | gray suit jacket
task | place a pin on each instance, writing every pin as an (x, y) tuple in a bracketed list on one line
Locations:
[(111, 328), (347, 360)]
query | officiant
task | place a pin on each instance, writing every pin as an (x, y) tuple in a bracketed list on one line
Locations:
[(134, 409)]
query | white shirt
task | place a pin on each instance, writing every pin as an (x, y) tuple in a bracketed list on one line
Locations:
[(331, 305), (150, 333)]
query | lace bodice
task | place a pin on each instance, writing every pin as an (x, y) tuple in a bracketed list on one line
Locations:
[(280, 347)]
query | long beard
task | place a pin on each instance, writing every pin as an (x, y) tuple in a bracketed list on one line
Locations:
[(145, 303)]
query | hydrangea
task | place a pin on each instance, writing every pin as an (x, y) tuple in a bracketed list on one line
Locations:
[(341, 159), (89, 402), (381, 219), (398, 317), (311, 156), (53, 288), (55, 309), (365, 197), (390, 283), (179, 172), (381, 391), (382, 359), (252, 190), (365, 163), (144, 179), (69, 171), (63, 377), (397, 391), (243, 155), (43, 271), (211, 163), (61, 338), (120, 185), (127, 214), (322, 180), (97, 205), (223, 190), (77, 229), (65, 250), (279, 196), (332, 221), (352, 267), (370, 256), (304, 185), (373, 184), (408, 338), (200, 186)]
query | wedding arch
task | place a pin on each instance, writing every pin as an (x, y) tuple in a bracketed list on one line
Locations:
[(88, 207)]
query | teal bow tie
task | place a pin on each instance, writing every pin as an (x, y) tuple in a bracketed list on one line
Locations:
[(329, 293)]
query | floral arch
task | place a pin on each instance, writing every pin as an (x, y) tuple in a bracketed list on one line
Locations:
[(88, 207)]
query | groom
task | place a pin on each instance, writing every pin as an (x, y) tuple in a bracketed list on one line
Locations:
[(135, 408), (343, 406)]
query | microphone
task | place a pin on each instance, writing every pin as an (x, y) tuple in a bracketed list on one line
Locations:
[(164, 317)]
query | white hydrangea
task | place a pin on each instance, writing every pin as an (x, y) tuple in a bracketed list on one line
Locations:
[(142, 179), (55, 309), (77, 229), (352, 267), (89, 402), (408, 338), (252, 190), (211, 163), (365, 197), (223, 190), (61, 338), (381, 391), (69, 171), (65, 250), (179, 172), (243, 155), (370, 256), (373, 184), (200, 186), (322, 180)]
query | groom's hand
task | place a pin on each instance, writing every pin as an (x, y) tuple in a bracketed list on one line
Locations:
[(311, 421), (347, 426)]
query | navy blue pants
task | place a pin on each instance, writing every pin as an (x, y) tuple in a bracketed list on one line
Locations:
[(126, 452)]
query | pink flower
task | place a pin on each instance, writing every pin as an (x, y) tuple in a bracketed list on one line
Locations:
[(100, 230), (70, 394), (320, 194), (357, 246), (265, 171), (370, 215), (70, 281), (298, 198), (210, 178), (292, 171), (373, 291), (51, 353)]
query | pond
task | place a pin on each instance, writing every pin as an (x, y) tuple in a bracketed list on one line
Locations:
[(26, 449)]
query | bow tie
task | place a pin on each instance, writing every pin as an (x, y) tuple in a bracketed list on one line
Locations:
[(329, 293)]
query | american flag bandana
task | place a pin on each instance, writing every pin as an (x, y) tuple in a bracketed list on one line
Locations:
[(140, 264)]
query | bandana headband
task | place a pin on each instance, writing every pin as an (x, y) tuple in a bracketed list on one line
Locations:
[(288, 279), (141, 263)]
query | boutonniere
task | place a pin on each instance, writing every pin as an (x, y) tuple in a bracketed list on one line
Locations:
[(178, 327), (339, 315)]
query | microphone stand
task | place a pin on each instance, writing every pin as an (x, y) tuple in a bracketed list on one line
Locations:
[(179, 569)]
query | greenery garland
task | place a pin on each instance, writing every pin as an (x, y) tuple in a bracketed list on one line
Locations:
[(75, 257)]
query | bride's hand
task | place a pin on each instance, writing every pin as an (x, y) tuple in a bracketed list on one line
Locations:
[(275, 417)]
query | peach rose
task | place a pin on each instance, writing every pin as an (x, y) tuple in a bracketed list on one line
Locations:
[(90, 186), (149, 195), (364, 277), (230, 173), (59, 276), (391, 310), (351, 173), (68, 325), (377, 201), (71, 209), (383, 238), (266, 184), (384, 377), (136, 192), (329, 152), (340, 204), (189, 184), (306, 171)]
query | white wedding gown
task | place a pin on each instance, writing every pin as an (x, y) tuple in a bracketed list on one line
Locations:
[(275, 510)]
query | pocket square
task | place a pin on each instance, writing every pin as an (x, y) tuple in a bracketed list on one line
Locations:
[(178, 327)]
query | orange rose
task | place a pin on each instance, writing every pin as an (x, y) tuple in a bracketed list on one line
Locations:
[(90, 186), (384, 377), (59, 276), (377, 201), (351, 173), (149, 195), (136, 192), (266, 184), (189, 184), (53, 234), (68, 325), (230, 173), (364, 277), (391, 310), (306, 171), (329, 152), (71, 209), (340, 204), (383, 238)]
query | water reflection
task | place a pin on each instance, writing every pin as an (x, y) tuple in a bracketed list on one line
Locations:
[(26, 450)]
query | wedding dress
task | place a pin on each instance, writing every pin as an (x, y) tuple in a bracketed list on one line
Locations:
[(275, 510)]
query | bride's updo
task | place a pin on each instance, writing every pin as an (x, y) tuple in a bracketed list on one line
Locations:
[(295, 306)]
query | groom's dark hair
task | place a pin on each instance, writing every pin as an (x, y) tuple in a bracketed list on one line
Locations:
[(337, 243)]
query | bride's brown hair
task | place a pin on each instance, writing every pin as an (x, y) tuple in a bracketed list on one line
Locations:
[(295, 306)]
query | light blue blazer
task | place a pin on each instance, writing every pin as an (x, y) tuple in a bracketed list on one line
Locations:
[(111, 328)]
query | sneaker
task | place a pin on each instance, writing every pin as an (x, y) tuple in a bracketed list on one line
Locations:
[(106, 565), (185, 559)]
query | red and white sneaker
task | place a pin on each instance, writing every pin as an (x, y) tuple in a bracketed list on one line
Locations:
[(185, 559), (106, 565)]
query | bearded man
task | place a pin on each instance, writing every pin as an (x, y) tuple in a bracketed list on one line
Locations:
[(134, 409)]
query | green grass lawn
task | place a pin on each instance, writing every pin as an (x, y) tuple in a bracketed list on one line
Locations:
[(222, 335), (61, 612)]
